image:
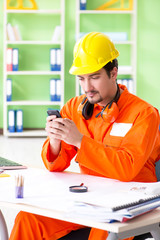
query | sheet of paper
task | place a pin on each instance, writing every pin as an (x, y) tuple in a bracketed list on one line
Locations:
[(51, 190)]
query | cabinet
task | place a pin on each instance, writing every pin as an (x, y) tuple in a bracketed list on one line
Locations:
[(31, 82), (120, 25)]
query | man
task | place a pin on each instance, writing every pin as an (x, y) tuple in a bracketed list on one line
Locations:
[(114, 134)]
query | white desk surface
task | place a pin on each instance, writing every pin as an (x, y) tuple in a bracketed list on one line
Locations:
[(33, 176)]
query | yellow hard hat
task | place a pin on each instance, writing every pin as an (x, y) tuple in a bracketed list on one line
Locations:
[(92, 52)]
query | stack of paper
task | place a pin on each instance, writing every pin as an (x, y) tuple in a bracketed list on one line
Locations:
[(105, 214)]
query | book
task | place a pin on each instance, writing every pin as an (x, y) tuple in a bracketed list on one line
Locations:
[(17, 33), (10, 32), (7, 164), (56, 34)]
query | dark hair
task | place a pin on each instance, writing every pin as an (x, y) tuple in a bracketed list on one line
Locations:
[(110, 65)]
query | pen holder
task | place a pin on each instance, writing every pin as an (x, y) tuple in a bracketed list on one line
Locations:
[(19, 191)]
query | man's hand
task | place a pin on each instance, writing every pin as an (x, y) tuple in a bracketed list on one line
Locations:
[(63, 129)]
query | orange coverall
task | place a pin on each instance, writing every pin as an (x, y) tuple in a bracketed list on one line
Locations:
[(125, 150)]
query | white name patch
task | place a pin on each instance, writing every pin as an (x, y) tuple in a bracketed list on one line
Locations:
[(120, 129)]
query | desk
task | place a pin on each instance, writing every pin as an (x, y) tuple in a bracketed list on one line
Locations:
[(148, 222)]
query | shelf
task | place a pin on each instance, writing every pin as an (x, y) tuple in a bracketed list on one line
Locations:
[(34, 103), (124, 42), (105, 12), (33, 42), (33, 46), (126, 70), (33, 73), (123, 21), (34, 11), (27, 133)]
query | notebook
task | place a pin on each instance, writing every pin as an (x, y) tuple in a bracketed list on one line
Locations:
[(6, 164), (120, 202), (121, 213)]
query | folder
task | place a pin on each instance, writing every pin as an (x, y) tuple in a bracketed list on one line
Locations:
[(53, 89), (83, 4), (53, 59), (11, 120), (9, 89), (58, 90), (58, 59), (19, 120), (15, 59), (9, 59)]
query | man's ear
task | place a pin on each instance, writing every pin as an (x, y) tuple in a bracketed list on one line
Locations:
[(114, 73)]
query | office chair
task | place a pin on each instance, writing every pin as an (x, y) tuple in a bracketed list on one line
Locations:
[(79, 234)]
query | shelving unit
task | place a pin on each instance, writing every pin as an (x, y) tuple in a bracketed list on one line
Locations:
[(109, 21), (30, 71)]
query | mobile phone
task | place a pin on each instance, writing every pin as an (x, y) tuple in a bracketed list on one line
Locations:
[(54, 112)]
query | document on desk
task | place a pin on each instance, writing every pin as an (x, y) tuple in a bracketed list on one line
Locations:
[(49, 190)]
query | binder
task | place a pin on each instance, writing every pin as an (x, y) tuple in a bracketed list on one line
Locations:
[(53, 89), (119, 81), (83, 4), (58, 90), (130, 86), (53, 59), (9, 89), (19, 120), (125, 82), (9, 59), (15, 59), (58, 59), (81, 91), (11, 120)]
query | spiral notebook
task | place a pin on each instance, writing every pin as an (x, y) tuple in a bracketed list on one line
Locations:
[(119, 213), (120, 202), (139, 203), (7, 164)]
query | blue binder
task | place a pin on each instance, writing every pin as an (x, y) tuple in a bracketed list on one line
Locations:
[(9, 89), (53, 60), (15, 59), (19, 120), (11, 120), (58, 59), (83, 4), (58, 90), (53, 89)]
